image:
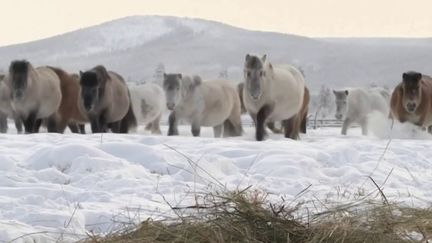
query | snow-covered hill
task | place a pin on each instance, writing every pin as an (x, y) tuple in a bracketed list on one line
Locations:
[(135, 46)]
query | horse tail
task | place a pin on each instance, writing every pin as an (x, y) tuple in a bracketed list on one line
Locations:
[(129, 121)]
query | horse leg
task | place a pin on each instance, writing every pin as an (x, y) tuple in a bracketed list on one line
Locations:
[(73, 127), (172, 122), (37, 125), (95, 124), (345, 126), (196, 128), (81, 128), (364, 127), (272, 127), (263, 113), (291, 127), (53, 124), (218, 130), (18, 123), (155, 127), (303, 126), (3, 123), (116, 127), (148, 127), (29, 123)]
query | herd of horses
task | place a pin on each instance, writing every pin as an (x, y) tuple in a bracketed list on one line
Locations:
[(271, 94)]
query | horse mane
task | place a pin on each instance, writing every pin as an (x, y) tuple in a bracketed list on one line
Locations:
[(102, 73), (19, 67), (253, 62)]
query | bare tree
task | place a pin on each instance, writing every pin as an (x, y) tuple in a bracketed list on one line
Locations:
[(223, 74), (324, 103), (158, 74)]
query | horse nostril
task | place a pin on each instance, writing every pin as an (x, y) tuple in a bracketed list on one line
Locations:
[(411, 106)]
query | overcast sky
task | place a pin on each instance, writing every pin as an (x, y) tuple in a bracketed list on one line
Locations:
[(27, 20)]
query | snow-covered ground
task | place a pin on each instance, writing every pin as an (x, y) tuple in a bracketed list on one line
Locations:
[(59, 187)]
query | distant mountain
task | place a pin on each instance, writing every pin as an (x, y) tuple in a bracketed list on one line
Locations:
[(136, 46)]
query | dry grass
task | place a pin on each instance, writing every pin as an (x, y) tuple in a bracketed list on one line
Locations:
[(249, 217)]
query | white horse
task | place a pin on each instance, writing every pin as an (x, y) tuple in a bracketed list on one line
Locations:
[(354, 105), (148, 102), (212, 104), (273, 94)]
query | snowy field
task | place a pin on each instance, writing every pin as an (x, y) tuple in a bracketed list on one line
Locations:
[(57, 188)]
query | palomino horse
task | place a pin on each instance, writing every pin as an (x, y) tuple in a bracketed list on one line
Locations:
[(212, 104), (354, 106), (273, 94), (68, 113), (149, 104), (35, 94), (411, 100), (104, 98)]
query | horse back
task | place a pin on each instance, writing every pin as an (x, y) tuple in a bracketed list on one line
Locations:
[(116, 97), (70, 88)]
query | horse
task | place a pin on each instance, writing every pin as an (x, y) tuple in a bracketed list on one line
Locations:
[(35, 94), (354, 105), (411, 100), (278, 128), (149, 104), (105, 99), (212, 104), (273, 94), (6, 108), (68, 114)]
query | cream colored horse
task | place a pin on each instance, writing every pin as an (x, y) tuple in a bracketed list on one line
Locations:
[(148, 101), (35, 94), (273, 94), (212, 104)]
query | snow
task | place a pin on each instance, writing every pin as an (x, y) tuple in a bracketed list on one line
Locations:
[(59, 187)]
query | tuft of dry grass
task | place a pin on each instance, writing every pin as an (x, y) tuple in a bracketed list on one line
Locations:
[(246, 216)]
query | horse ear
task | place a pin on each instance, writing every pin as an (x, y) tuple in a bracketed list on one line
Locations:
[(80, 73), (247, 57), (264, 58), (346, 92), (334, 92), (180, 76), (164, 75), (419, 76), (404, 76)]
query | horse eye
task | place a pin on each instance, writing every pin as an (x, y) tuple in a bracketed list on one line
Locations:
[(248, 74)]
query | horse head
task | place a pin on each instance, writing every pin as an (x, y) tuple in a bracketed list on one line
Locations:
[(254, 74), (411, 89), (341, 98)]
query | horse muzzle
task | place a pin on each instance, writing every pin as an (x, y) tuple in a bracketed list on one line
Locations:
[(170, 106), (411, 107)]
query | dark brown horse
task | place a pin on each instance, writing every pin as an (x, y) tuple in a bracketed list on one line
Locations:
[(68, 114), (411, 100), (105, 99)]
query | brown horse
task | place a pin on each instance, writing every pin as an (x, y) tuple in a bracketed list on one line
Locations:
[(68, 114), (411, 100), (105, 99)]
